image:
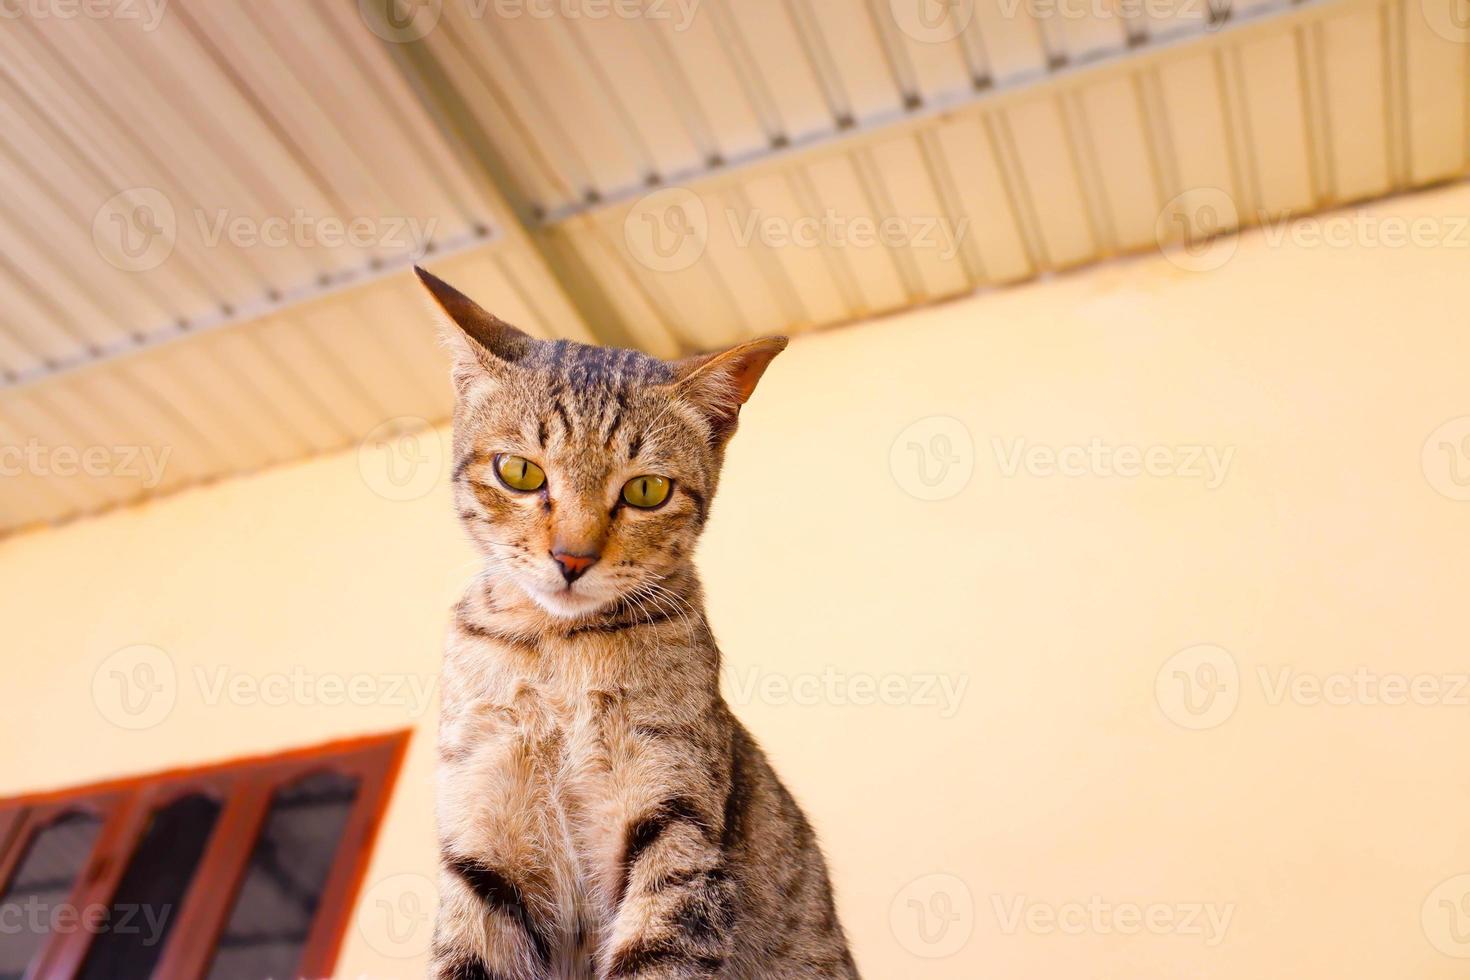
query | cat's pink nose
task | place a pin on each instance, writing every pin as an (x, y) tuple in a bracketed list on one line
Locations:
[(572, 566)]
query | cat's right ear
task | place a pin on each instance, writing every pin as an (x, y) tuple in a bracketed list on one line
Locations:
[(483, 345)]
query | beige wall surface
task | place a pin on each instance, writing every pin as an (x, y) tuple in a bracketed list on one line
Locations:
[(1107, 627)]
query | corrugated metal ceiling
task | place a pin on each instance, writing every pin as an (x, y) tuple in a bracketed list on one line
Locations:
[(207, 220)]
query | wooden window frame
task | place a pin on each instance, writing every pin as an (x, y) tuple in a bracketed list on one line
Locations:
[(244, 788)]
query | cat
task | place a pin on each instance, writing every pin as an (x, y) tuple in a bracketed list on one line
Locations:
[(601, 811)]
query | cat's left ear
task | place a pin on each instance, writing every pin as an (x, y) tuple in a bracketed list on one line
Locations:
[(484, 344), (718, 384)]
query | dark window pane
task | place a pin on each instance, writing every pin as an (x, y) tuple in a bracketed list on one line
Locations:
[(151, 893), (283, 883), (41, 886)]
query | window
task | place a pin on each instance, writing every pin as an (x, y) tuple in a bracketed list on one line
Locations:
[(244, 871)]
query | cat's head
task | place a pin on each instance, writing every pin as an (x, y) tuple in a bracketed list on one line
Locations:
[(584, 474)]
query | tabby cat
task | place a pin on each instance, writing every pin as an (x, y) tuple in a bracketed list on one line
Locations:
[(601, 811)]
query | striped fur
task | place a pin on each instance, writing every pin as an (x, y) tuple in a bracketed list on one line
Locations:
[(602, 812)]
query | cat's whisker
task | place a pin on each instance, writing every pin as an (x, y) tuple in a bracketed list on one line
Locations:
[(680, 606)]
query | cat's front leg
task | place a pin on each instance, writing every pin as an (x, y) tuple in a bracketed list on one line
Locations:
[(498, 906), (484, 929), (676, 909)]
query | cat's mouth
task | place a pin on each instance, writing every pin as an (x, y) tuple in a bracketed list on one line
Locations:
[(567, 602)]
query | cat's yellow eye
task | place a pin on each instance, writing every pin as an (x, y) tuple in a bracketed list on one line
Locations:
[(646, 491), (519, 473)]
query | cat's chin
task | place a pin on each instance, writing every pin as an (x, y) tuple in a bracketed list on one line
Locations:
[(565, 603)]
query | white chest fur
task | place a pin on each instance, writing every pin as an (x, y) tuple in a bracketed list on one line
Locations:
[(544, 775)]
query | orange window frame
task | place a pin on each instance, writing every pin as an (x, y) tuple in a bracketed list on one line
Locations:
[(244, 789)]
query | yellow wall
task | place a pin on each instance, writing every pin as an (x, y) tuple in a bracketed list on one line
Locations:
[(1322, 836)]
